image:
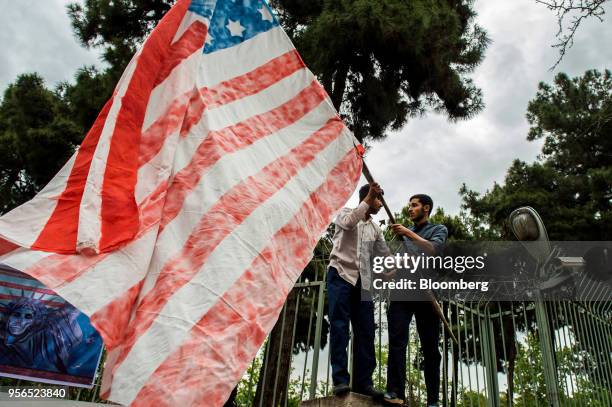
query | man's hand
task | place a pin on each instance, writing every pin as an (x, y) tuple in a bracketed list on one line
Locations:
[(373, 193), (389, 275), (400, 230), (424, 244)]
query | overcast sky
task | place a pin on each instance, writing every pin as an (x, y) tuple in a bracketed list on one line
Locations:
[(430, 154)]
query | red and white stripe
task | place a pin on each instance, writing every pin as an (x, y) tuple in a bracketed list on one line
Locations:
[(215, 188)]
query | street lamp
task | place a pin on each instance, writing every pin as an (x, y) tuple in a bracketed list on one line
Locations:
[(554, 268), (528, 227)]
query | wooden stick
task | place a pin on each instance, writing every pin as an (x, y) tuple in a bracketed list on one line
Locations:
[(431, 297)]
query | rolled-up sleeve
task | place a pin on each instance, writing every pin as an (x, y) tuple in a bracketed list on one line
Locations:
[(438, 238)]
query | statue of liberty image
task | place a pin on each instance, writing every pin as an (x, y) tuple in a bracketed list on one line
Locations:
[(35, 336)]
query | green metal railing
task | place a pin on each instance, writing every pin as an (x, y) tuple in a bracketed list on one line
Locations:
[(508, 353)]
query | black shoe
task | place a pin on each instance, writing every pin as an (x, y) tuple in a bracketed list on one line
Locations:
[(370, 391), (341, 389), (391, 399)]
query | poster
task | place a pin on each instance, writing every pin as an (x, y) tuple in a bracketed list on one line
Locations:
[(42, 337)]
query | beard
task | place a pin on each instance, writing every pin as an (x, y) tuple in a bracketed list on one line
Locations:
[(418, 217)]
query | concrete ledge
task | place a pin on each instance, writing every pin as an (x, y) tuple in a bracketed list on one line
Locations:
[(350, 400)]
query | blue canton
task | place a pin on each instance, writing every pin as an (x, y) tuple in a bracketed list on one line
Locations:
[(202, 7), (235, 21)]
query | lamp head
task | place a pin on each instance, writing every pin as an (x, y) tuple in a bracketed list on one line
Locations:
[(528, 227)]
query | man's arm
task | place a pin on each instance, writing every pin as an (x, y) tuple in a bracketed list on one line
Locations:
[(349, 218), (438, 239), (429, 247)]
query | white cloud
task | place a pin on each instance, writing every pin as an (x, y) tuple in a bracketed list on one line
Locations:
[(36, 36)]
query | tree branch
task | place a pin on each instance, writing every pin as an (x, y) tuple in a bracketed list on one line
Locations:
[(337, 95), (576, 11)]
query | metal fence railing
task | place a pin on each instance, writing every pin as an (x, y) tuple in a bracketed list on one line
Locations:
[(556, 353), (508, 353)]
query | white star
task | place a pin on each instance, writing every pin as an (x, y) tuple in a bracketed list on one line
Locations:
[(235, 28), (209, 39), (265, 14)]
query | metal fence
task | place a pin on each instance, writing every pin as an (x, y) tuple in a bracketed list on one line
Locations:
[(508, 354), (556, 353)]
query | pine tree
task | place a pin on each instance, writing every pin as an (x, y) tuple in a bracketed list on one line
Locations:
[(382, 61), (36, 138), (571, 184)]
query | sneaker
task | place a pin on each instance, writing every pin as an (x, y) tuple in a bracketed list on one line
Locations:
[(341, 389), (370, 391), (391, 398)]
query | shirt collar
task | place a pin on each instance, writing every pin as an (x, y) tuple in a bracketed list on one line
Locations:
[(416, 228)]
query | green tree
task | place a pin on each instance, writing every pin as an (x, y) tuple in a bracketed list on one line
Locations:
[(36, 138), (386, 60), (85, 97), (574, 118), (381, 61), (571, 183), (530, 384), (118, 27)]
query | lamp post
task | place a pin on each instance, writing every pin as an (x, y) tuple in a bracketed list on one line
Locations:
[(528, 227)]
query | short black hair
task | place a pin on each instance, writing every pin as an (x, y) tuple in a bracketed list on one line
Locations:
[(424, 200), (363, 192)]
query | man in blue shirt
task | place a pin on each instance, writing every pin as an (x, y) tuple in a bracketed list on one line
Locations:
[(430, 239)]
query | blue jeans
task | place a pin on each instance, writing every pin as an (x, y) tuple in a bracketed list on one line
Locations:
[(399, 316), (345, 306)]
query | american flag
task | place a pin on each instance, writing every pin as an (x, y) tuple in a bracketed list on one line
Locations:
[(15, 285), (185, 217)]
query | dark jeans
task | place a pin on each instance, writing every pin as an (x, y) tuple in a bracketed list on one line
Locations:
[(345, 305), (399, 316)]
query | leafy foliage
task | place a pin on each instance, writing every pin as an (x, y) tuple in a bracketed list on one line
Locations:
[(381, 61), (37, 136), (85, 97), (116, 26), (571, 184), (384, 61)]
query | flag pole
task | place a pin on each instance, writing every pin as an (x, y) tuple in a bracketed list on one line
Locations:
[(430, 295)]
